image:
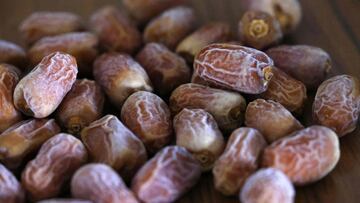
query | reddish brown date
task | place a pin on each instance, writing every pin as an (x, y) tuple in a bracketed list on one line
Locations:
[(10, 190), (82, 105), (205, 35), (166, 69), (116, 32), (120, 76), (171, 26), (12, 54), (337, 104), (100, 184), (148, 116), (228, 108), (64, 201), (25, 138), (46, 23), (9, 77), (40, 92), (167, 176), (56, 162), (233, 67), (239, 160), (109, 141)]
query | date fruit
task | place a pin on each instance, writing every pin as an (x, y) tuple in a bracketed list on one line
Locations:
[(268, 185), (259, 29), (120, 76), (205, 35), (233, 67), (198, 132), (171, 26), (337, 104), (25, 138), (148, 116), (115, 30), (306, 156), (100, 184), (166, 69), (49, 23), (228, 108), (286, 90), (109, 141), (167, 176), (56, 162), (306, 63), (82, 105), (40, 92), (9, 77), (10, 188), (11, 53), (272, 119), (239, 160), (64, 201)]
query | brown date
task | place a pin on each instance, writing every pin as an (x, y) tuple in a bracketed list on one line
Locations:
[(47, 23), (120, 76), (233, 67), (9, 77), (56, 162), (99, 183), (148, 116), (10, 188), (228, 108), (25, 138), (205, 35), (166, 69), (306, 63), (64, 201), (167, 176), (40, 92), (337, 104), (115, 30), (12, 54), (239, 160), (82, 105), (171, 26), (109, 141)]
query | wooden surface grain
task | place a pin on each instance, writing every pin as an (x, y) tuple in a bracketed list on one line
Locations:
[(333, 25)]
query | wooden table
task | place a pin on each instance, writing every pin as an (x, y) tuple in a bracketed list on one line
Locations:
[(333, 25)]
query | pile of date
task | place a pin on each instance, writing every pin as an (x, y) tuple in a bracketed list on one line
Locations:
[(102, 112)]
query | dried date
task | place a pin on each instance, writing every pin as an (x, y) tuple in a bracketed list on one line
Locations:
[(10, 190), (12, 54)]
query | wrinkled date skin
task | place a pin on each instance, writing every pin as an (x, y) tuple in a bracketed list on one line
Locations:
[(259, 30), (9, 77), (144, 10), (286, 90), (12, 54), (40, 92), (116, 32), (56, 162), (99, 183), (120, 76), (64, 201), (148, 116), (167, 176), (43, 24), (337, 104), (306, 156), (239, 160), (228, 108), (109, 141), (306, 63), (171, 26), (11, 190), (166, 69), (205, 35), (268, 185), (197, 131), (81, 45), (272, 119), (233, 67), (25, 138), (82, 105)]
